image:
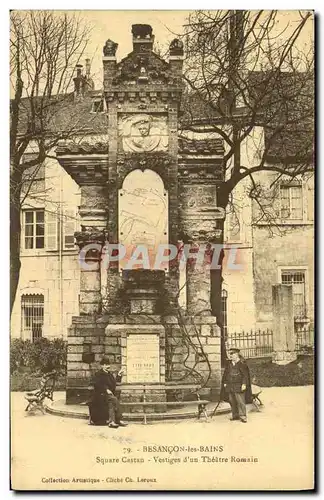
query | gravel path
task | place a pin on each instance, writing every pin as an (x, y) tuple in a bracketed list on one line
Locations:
[(49, 452)]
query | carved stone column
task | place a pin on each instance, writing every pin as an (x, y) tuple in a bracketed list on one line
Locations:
[(90, 244), (202, 233), (198, 281)]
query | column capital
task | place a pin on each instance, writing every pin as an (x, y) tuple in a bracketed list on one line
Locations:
[(90, 236), (195, 236)]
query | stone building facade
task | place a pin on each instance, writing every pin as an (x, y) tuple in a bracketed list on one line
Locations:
[(48, 289)]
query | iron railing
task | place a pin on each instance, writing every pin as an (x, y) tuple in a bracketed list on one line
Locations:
[(253, 343), (259, 343), (305, 339)]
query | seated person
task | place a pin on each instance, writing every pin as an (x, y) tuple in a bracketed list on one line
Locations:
[(104, 406)]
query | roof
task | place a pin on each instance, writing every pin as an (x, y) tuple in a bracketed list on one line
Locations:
[(65, 114), (286, 113), (69, 117), (186, 147)]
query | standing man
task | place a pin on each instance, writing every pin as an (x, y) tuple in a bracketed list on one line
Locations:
[(236, 385), (104, 405)]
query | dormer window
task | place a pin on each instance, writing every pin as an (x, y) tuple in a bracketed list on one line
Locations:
[(98, 105)]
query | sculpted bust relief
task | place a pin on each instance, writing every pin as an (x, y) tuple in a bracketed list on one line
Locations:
[(143, 133)]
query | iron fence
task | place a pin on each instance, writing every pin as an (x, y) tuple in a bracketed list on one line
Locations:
[(252, 344), (259, 343), (305, 339)]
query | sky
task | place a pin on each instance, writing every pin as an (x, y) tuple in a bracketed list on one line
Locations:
[(166, 24), (117, 26)]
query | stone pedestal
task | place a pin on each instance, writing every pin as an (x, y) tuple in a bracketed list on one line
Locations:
[(140, 334), (284, 339), (142, 351), (85, 336)]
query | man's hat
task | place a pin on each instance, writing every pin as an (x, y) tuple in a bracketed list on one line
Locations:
[(105, 360), (234, 349)]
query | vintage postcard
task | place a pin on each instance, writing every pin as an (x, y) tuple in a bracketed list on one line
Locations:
[(162, 250)]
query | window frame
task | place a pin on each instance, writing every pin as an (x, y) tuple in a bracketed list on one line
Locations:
[(69, 217), (289, 187), (39, 306), (98, 101), (34, 225), (292, 270)]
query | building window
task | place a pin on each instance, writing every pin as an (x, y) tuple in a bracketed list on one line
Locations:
[(224, 313), (52, 219), (98, 106), (34, 229), (69, 220), (291, 202), (48, 229), (32, 313), (298, 282)]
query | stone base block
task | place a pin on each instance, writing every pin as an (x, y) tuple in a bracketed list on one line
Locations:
[(284, 357), (132, 396), (76, 395)]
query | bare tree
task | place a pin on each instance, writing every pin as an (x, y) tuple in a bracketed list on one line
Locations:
[(246, 69), (45, 47)]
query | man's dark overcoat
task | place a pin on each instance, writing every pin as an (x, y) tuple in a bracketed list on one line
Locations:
[(236, 385), (99, 399)]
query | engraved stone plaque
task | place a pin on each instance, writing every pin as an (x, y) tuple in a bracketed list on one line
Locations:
[(143, 358)]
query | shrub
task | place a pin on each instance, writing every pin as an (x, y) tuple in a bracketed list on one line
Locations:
[(41, 356), (25, 381)]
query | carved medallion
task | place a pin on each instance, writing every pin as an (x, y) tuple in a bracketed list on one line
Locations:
[(143, 133)]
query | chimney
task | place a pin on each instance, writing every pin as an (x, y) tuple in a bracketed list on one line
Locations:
[(88, 68), (176, 57), (109, 63), (89, 80), (143, 38), (78, 80)]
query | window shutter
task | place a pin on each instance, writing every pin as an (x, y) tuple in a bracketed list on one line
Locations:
[(51, 230), (69, 228), (310, 203)]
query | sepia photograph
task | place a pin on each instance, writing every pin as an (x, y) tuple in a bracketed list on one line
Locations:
[(162, 185)]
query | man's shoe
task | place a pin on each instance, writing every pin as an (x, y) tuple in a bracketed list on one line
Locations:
[(234, 418), (122, 424), (243, 420), (113, 425)]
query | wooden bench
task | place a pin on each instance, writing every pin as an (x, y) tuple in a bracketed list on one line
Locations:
[(145, 388), (36, 398), (256, 401)]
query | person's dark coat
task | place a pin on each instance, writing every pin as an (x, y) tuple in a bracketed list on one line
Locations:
[(99, 400), (234, 378), (105, 380)]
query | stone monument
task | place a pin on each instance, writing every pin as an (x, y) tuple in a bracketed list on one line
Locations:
[(146, 188)]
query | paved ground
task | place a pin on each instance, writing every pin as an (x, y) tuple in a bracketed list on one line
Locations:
[(50, 452)]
